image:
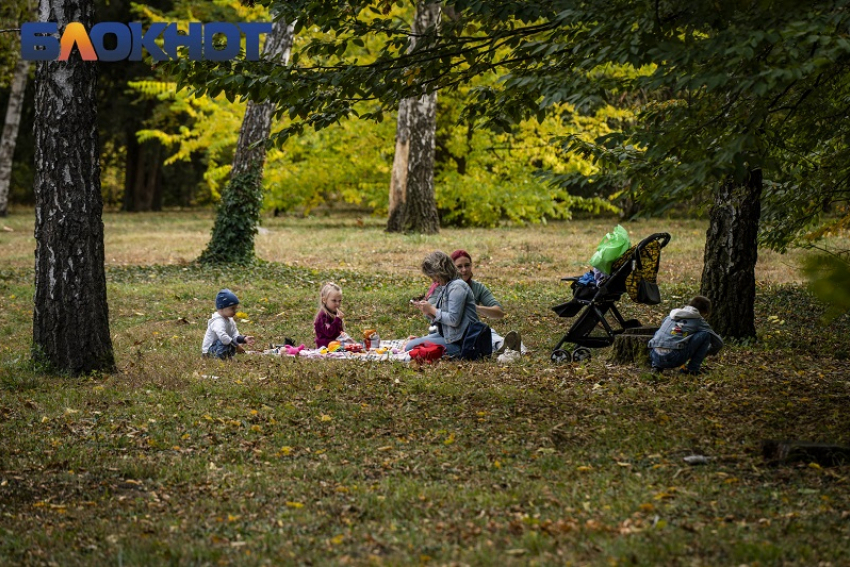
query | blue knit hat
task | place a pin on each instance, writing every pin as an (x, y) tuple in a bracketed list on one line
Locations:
[(225, 298)]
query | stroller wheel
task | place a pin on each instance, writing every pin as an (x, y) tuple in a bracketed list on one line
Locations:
[(560, 356), (632, 324), (580, 354)]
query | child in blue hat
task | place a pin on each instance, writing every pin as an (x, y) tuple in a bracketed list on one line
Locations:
[(222, 339)]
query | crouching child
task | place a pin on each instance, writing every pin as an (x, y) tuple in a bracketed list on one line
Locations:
[(685, 338), (222, 339)]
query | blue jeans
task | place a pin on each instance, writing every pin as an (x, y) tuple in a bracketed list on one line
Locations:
[(452, 349), (222, 351), (695, 351)]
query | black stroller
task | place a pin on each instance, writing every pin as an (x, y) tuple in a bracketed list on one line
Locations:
[(634, 273)]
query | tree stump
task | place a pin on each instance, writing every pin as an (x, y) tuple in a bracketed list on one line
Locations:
[(630, 346)]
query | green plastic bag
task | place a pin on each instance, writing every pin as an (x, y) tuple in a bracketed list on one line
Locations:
[(612, 247)]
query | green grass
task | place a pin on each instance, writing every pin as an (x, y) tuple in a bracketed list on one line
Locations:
[(184, 461)]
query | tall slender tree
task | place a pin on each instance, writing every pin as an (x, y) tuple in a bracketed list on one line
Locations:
[(412, 207), (70, 312), (10, 130), (11, 15), (239, 212)]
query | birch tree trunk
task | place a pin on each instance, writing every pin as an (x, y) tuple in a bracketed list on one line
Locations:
[(731, 252), (398, 180), (238, 214), (10, 131), (70, 312), (412, 204)]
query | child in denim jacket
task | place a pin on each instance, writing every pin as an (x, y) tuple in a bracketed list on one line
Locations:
[(685, 338)]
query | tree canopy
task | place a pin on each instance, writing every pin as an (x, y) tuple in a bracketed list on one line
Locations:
[(720, 88)]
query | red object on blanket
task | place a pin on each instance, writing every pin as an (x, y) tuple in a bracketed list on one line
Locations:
[(354, 348), (427, 352)]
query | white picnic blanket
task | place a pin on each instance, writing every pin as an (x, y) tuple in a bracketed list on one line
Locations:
[(394, 353)]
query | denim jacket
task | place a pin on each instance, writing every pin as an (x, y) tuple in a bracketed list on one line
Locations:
[(680, 326), (455, 310)]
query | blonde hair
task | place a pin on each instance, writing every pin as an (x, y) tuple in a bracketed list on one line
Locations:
[(323, 295), (440, 267)]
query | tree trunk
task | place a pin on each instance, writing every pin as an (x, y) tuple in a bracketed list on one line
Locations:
[(70, 314), (412, 204), (398, 181), (731, 252), (10, 131), (143, 187), (238, 214)]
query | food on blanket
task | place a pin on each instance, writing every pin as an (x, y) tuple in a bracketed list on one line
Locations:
[(371, 339), (382, 350), (354, 348), (334, 346)]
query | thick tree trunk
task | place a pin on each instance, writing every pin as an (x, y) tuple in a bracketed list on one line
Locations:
[(421, 207), (412, 204), (10, 131), (70, 315), (238, 214), (731, 252)]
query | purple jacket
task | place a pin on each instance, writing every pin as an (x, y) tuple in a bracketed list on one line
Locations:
[(327, 328)]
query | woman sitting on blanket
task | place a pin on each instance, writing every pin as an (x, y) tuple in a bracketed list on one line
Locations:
[(453, 308), (485, 303)]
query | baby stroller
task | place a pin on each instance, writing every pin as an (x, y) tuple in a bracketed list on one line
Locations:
[(634, 273)]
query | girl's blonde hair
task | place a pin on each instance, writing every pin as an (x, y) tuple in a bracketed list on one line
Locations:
[(323, 295)]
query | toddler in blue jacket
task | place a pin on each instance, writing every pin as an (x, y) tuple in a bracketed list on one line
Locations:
[(685, 338)]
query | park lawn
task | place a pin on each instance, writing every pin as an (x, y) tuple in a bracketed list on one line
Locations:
[(179, 460)]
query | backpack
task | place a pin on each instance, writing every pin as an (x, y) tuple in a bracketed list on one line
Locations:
[(427, 352), (477, 342)]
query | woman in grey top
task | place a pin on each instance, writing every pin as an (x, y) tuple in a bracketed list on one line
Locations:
[(454, 307)]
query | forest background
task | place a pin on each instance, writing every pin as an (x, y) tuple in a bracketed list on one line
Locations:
[(161, 147)]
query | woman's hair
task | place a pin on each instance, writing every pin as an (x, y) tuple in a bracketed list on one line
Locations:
[(440, 267), (460, 252), (703, 305), (323, 295)]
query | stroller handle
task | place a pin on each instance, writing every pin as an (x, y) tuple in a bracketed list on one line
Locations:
[(663, 239)]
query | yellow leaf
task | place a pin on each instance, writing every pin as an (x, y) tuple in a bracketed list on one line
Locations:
[(814, 466), (242, 315), (295, 505), (449, 440), (256, 428), (285, 451), (326, 417), (584, 468), (336, 540)]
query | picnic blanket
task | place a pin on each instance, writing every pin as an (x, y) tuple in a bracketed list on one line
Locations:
[(394, 353)]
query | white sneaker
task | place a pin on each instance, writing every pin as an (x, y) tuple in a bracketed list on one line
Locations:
[(509, 355)]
